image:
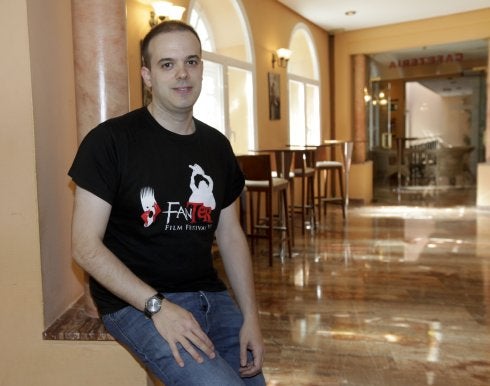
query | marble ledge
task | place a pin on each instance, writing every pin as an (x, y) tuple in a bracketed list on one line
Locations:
[(76, 325)]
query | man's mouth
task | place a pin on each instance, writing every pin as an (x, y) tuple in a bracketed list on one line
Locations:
[(183, 89)]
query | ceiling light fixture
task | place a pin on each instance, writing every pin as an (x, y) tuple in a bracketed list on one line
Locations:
[(350, 13)]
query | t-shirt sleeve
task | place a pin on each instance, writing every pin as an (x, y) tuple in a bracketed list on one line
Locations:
[(236, 182), (95, 165)]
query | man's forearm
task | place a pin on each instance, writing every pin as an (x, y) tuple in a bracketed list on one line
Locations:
[(89, 222)]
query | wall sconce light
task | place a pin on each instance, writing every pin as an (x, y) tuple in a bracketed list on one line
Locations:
[(281, 57), (164, 10), (367, 96), (380, 99)]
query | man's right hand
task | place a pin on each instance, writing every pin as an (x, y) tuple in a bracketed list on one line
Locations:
[(177, 325)]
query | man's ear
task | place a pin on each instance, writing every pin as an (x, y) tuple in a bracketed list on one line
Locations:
[(146, 75)]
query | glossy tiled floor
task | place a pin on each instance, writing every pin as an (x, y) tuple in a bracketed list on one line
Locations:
[(398, 295)]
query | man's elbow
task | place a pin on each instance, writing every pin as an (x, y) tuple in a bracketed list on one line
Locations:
[(84, 252)]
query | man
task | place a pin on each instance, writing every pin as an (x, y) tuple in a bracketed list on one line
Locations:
[(145, 236)]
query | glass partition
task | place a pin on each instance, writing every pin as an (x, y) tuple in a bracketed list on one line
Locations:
[(426, 115)]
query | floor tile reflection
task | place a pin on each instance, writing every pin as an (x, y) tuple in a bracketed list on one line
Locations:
[(397, 295)]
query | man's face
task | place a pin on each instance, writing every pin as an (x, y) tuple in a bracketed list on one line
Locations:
[(176, 71)]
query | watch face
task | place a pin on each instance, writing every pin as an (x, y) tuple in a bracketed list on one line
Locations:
[(154, 304)]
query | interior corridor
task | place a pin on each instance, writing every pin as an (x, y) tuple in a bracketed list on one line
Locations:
[(399, 294)]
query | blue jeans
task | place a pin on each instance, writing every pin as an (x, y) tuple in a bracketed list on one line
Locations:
[(219, 318)]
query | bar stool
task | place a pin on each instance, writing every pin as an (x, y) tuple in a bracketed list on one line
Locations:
[(304, 169), (326, 171), (259, 182), (283, 169)]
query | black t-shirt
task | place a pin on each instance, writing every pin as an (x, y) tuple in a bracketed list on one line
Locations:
[(166, 191)]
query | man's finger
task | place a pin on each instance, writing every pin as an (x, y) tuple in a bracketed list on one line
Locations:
[(250, 370), (176, 354), (204, 344), (192, 351), (243, 356)]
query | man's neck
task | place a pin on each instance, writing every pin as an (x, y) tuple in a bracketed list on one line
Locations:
[(182, 124)]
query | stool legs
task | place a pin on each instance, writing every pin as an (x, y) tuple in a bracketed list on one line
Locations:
[(291, 212), (285, 220), (329, 182), (267, 222), (307, 207)]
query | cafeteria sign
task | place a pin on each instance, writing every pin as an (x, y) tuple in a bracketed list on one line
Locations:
[(427, 60)]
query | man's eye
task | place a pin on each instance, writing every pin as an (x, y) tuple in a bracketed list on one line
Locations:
[(193, 62), (166, 66)]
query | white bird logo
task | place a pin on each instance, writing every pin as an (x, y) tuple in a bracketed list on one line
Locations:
[(150, 206)]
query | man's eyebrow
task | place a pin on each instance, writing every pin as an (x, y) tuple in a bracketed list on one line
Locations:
[(165, 60), (195, 56)]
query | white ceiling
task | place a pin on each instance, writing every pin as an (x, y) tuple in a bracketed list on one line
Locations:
[(330, 14)]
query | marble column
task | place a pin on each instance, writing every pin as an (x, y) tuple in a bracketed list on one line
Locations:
[(359, 153), (101, 70), (100, 54)]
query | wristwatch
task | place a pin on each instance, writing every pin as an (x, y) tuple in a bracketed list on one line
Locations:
[(153, 305)]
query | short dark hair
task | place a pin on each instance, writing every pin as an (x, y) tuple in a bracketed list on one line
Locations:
[(163, 27)]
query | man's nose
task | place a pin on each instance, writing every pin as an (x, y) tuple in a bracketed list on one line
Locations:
[(182, 72)]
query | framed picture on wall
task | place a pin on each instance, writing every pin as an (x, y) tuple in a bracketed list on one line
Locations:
[(274, 96)]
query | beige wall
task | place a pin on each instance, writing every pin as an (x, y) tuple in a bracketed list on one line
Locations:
[(54, 114)]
